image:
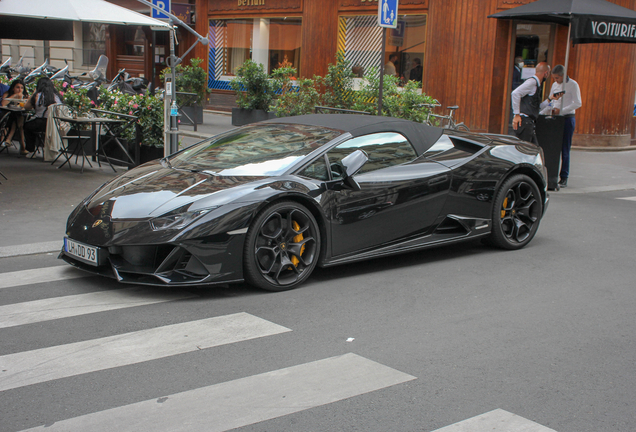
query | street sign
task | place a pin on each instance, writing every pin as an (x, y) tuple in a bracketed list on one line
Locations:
[(387, 13), (163, 5)]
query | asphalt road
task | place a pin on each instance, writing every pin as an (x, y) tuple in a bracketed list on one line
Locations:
[(533, 340)]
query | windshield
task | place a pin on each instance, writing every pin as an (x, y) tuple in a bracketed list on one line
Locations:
[(263, 150)]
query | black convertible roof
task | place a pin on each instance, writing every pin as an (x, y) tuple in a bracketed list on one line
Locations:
[(421, 136)]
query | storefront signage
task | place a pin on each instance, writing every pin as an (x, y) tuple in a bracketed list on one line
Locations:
[(508, 4), (254, 5), (589, 29), (251, 2)]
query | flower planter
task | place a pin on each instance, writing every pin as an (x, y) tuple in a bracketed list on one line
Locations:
[(242, 116)]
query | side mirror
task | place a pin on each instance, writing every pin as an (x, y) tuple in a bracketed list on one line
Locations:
[(352, 164)]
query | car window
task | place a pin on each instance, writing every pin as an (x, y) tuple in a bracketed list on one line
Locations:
[(262, 150), (316, 170), (383, 149)]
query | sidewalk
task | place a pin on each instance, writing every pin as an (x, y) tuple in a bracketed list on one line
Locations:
[(37, 198)]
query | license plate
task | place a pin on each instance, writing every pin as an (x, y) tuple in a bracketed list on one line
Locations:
[(81, 251)]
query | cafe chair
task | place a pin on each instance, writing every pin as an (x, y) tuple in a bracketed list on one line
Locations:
[(54, 130), (4, 131)]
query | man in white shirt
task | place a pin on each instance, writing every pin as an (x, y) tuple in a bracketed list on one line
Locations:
[(389, 67), (526, 104), (566, 99)]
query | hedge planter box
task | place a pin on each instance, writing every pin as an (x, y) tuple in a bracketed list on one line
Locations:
[(242, 116), (149, 153)]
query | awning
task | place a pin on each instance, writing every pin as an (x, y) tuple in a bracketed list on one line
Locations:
[(52, 19), (592, 21)]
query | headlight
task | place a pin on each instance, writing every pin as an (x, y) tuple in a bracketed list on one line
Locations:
[(178, 219)]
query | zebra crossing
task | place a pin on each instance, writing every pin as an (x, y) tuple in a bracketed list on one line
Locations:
[(236, 403)]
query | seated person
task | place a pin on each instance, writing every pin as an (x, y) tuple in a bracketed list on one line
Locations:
[(15, 95), (44, 96)]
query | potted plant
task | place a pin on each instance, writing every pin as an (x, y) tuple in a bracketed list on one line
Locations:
[(190, 79), (254, 94)]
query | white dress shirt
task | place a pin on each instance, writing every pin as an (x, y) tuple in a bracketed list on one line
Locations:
[(527, 88), (571, 98)]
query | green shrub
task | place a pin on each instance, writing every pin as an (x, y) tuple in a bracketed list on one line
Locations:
[(252, 86)]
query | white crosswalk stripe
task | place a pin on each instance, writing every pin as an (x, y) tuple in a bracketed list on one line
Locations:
[(30, 249), (45, 364), (496, 421), (82, 304), (244, 401), (39, 275), (628, 198)]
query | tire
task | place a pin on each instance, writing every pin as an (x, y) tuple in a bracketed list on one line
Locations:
[(282, 247), (516, 213), (462, 127)]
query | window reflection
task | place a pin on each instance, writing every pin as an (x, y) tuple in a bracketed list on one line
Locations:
[(258, 150)]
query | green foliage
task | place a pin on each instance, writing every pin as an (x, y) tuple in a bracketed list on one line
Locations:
[(147, 108), (292, 100), (252, 86), (190, 79), (77, 99), (337, 85)]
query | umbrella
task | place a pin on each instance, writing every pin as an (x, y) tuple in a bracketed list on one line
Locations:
[(21, 19), (588, 21)]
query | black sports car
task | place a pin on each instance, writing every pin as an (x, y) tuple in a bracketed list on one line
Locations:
[(266, 203)]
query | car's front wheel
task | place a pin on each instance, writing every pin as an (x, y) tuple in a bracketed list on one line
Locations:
[(516, 213), (282, 247)]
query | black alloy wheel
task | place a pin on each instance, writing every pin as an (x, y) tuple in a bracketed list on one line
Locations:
[(516, 213), (282, 247)]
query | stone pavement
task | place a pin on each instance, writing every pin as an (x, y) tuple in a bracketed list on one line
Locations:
[(37, 198)]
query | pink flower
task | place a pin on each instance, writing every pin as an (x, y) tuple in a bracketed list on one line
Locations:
[(72, 86), (135, 106), (130, 112), (93, 103), (149, 107), (130, 103), (65, 84)]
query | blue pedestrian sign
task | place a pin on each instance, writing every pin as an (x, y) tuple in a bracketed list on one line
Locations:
[(387, 13), (163, 5)]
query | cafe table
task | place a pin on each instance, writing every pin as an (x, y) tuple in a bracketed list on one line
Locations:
[(97, 126)]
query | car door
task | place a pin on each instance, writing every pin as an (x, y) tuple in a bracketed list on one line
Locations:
[(400, 195)]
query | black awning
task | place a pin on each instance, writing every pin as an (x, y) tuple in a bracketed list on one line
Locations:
[(592, 20), (12, 27)]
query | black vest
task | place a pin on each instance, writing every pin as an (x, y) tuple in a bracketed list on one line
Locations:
[(530, 105)]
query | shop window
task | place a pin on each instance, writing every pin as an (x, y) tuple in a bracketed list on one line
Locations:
[(134, 41), (93, 42), (360, 39), (272, 42)]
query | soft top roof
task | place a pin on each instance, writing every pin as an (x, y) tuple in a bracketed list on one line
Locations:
[(421, 136)]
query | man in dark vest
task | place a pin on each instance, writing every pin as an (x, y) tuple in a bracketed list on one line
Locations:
[(526, 102)]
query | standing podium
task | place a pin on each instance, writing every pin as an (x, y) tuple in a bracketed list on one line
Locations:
[(550, 135)]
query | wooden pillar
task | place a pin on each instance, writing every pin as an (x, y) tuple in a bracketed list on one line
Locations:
[(319, 37)]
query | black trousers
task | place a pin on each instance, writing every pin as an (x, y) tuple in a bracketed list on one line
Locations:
[(31, 128), (526, 130)]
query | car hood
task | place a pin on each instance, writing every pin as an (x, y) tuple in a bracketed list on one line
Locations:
[(153, 190)]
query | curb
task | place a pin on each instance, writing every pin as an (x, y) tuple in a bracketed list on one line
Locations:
[(604, 149)]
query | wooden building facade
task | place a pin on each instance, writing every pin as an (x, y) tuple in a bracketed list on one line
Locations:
[(467, 58)]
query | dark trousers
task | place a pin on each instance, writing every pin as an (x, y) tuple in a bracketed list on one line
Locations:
[(568, 131), (526, 130), (30, 131)]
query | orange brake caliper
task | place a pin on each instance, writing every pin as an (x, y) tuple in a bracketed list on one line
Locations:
[(505, 204), (297, 239)]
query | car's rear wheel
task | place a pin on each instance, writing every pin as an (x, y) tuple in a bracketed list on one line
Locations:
[(282, 247), (516, 213)]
